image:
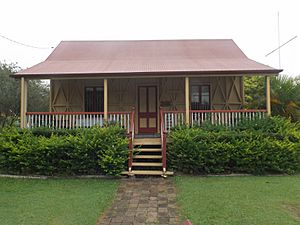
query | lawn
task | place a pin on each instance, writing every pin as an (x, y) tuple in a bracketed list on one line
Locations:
[(54, 201), (240, 200)]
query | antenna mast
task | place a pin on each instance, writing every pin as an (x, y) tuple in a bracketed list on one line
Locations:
[(280, 45), (278, 29)]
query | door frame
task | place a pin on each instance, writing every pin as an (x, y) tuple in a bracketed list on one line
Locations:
[(147, 130)]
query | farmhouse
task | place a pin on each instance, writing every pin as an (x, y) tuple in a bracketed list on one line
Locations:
[(147, 87)]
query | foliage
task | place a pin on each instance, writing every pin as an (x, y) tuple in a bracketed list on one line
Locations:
[(54, 201), (9, 97), (89, 151), (246, 200), (285, 95), (285, 92), (38, 95), (258, 147), (254, 88), (111, 145), (48, 132)]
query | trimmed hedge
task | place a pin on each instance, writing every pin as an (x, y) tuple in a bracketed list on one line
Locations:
[(50, 152), (257, 147)]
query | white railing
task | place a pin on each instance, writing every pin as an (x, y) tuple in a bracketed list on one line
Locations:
[(172, 119), (224, 117), (219, 117), (72, 120)]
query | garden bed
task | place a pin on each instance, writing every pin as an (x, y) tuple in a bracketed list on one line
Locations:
[(262, 146)]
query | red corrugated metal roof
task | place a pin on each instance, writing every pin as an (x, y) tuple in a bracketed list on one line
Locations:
[(163, 57)]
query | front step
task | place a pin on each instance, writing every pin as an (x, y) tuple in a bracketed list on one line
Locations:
[(147, 141), (147, 157), (148, 160), (148, 172), (147, 150), (147, 164)]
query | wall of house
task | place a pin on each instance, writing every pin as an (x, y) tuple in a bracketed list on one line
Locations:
[(68, 95), (226, 92), (123, 93)]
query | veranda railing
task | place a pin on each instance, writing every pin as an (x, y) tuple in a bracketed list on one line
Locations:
[(224, 117), (71, 120), (219, 117)]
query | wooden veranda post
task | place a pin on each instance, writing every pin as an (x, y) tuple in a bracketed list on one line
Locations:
[(187, 100), (268, 95), (23, 99), (105, 99)]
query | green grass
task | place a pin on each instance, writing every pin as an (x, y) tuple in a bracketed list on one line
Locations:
[(55, 201), (240, 200)]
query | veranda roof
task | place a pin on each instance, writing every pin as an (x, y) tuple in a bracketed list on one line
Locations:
[(146, 58)]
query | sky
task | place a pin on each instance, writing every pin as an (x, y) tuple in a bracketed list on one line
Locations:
[(252, 24)]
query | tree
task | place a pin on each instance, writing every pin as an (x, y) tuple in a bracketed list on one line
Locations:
[(285, 97), (254, 88), (38, 93), (9, 97)]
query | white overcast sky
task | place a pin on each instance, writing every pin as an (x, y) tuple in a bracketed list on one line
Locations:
[(252, 24)]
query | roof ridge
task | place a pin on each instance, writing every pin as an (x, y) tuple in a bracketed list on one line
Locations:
[(148, 40)]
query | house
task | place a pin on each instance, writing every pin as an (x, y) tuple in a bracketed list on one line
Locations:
[(146, 86)]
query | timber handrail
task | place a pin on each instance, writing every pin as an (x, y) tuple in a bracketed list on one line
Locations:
[(72, 120), (131, 140), (229, 110), (74, 113), (163, 136)]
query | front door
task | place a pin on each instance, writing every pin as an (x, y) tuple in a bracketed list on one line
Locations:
[(147, 109)]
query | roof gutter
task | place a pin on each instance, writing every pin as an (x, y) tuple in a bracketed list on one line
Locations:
[(274, 72)]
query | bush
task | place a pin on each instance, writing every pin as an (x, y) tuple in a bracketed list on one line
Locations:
[(257, 147), (49, 152), (48, 132)]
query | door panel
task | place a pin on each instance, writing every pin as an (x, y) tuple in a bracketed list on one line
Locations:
[(143, 99), (147, 109), (151, 99), (143, 122)]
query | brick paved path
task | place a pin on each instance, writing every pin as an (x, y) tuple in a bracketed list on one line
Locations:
[(149, 201)]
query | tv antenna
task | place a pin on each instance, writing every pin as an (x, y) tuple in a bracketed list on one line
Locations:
[(280, 45)]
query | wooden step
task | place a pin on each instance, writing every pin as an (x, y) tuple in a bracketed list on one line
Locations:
[(146, 141), (148, 172), (147, 157), (146, 164), (147, 150)]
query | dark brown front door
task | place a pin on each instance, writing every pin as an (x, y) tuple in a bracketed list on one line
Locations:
[(147, 109)]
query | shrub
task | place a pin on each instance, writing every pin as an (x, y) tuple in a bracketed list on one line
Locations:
[(258, 147), (49, 152), (48, 132), (111, 147)]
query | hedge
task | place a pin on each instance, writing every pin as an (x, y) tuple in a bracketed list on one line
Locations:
[(270, 145), (50, 152)]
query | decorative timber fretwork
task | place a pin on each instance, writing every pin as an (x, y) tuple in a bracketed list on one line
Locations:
[(171, 95), (122, 94), (227, 93), (67, 96)]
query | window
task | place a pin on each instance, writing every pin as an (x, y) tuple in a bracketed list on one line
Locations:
[(94, 99), (200, 96)]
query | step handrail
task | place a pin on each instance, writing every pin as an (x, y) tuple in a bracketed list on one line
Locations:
[(131, 140), (163, 136)]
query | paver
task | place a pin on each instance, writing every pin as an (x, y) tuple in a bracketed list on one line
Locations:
[(143, 201)]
